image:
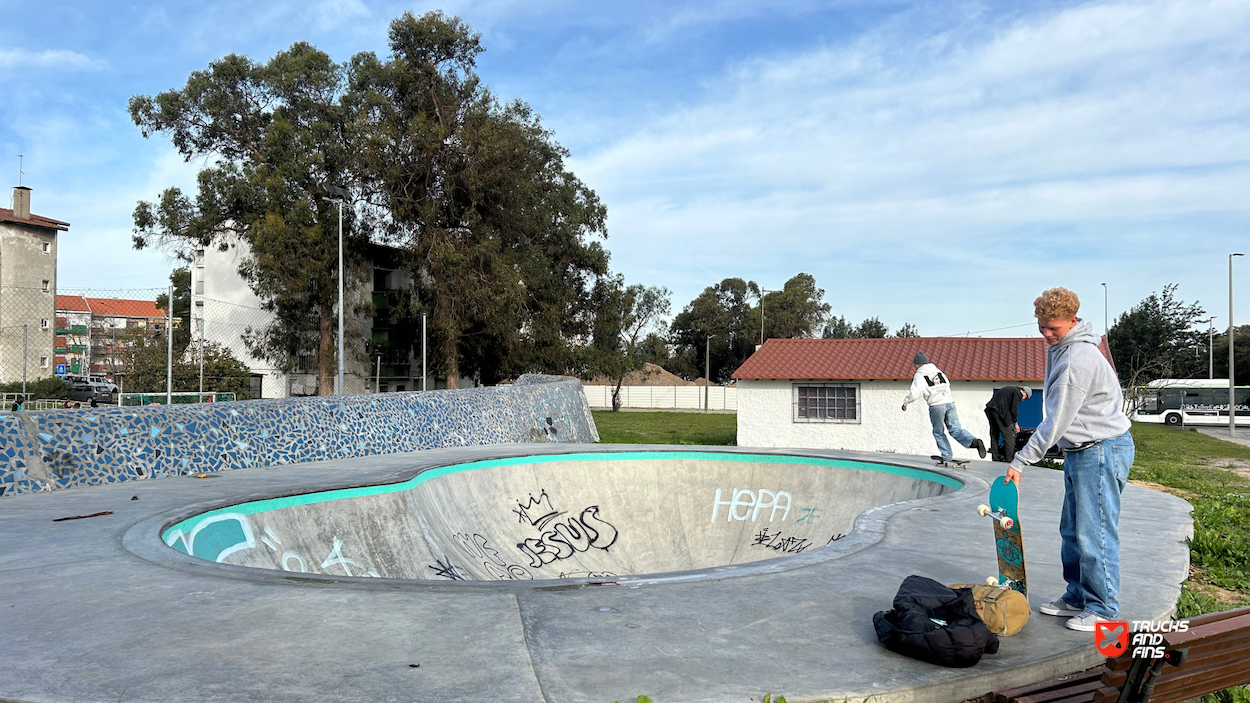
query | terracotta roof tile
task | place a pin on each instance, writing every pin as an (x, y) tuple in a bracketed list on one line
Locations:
[(119, 307), (36, 220), (72, 303), (963, 359)]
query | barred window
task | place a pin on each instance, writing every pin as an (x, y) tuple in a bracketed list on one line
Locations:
[(826, 402)]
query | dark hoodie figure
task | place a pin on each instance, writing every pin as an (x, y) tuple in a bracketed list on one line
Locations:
[(1085, 417), (1003, 414)]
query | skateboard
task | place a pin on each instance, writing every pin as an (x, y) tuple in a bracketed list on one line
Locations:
[(1008, 539), (956, 463)]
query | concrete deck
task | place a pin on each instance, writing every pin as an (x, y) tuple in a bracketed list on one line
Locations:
[(99, 609)]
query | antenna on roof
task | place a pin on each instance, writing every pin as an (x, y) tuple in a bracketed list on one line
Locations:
[(20, 172)]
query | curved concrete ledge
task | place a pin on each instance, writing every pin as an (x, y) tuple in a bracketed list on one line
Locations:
[(99, 609)]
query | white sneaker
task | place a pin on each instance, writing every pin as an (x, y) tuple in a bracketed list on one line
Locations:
[(1061, 608), (1085, 622)]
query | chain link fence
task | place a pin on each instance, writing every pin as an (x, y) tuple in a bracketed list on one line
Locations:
[(59, 345), (238, 328)]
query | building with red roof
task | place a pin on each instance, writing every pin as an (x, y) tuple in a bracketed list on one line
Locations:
[(87, 332), (848, 393)]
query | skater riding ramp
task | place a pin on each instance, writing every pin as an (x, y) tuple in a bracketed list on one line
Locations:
[(587, 515)]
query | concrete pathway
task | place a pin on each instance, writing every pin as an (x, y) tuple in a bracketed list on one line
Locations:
[(98, 609), (1241, 437)]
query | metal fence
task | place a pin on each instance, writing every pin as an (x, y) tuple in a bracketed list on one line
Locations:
[(236, 326), (98, 336), (665, 397), (73, 334)]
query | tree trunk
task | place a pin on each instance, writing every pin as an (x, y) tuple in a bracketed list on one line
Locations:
[(451, 360), (327, 367), (616, 395)]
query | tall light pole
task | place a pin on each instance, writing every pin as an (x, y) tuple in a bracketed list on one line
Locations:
[(424, 387), (1232, 407), (339, 194), (1105, 327), (201, 400), (1210, 346), (169, 350), (24, 352), (707, 369), (763, 292)]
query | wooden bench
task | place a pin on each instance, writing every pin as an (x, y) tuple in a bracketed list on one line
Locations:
[(1213, 654)]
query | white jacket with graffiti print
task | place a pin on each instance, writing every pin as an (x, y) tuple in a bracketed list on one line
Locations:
[(931, 385)]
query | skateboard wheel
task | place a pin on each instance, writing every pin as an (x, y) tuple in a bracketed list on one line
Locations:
[(1007, 523), (983, 510), (991, 581)]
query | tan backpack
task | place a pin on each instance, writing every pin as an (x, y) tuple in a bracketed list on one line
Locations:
[(1004, 610)]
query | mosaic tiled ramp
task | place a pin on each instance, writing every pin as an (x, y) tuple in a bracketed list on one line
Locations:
[(52, 449)]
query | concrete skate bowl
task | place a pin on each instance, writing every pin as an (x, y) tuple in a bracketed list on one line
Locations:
[(593, 516)]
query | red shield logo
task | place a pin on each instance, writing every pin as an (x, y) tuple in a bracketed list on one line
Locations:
[(1111, 637)]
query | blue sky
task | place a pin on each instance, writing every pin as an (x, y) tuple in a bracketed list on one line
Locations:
[(938, 163)]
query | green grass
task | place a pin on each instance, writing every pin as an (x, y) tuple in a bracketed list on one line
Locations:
[(1190, 465), (666, 428)]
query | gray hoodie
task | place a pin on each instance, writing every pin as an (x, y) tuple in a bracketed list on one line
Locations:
[(1082, 394)]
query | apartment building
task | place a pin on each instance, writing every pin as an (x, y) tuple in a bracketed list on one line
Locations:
[(28, 245)]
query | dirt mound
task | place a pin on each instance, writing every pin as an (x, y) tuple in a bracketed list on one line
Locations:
[(649, 375)]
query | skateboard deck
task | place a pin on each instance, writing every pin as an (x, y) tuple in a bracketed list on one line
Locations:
[(1008, 539), (957, 463)]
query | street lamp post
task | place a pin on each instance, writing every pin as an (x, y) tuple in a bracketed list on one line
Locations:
[(1210, 347), (169, 350), (763, 292), (201, 400), (424, 387), (1232, 407), (1105, 327), (707, 368), (339, 194)]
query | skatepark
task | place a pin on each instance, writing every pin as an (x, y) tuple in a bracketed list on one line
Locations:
[(533, 572)]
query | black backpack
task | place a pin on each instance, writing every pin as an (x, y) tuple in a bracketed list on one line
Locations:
[(935, 624)]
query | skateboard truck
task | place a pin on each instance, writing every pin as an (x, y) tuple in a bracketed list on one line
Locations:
[(1001, 583), (1000, 516)]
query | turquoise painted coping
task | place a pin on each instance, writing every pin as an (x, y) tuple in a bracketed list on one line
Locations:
[(260, 506)]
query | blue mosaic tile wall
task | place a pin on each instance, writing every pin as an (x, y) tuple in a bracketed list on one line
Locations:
[(47, 450)]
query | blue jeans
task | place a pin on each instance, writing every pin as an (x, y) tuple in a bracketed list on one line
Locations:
[(1089, 524), (944, 417)]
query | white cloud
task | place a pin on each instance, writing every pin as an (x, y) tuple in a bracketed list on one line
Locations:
[(957, 149), (58, 59), (332, 14)]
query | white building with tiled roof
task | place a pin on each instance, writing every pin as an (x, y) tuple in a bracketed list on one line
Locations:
[(848, 393)]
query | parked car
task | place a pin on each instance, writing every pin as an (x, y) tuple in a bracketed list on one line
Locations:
[(104, 380), (82, 392)]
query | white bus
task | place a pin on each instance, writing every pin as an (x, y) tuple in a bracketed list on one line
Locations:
[(1189, 401)]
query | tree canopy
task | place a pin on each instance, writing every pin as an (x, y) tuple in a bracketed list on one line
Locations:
[(1157, 339), (276, 135), (623, 317), (499, 237)]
